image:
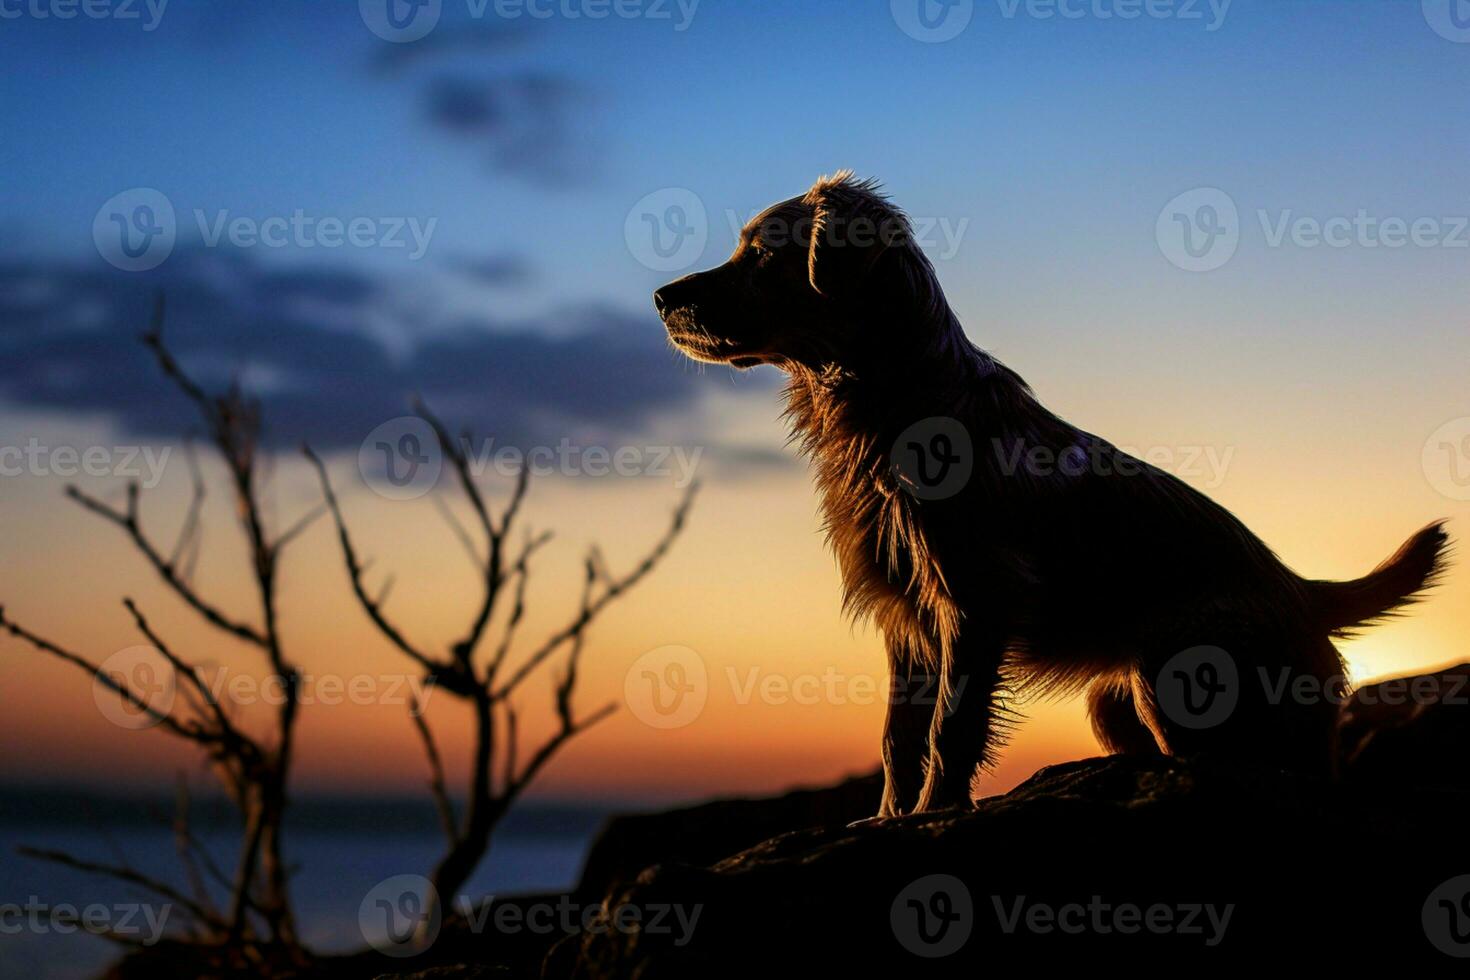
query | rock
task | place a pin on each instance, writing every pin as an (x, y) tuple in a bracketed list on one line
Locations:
[(706, 833), (701, 834), (1144, 858), (1408, 731)]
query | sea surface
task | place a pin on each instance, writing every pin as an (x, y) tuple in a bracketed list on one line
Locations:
[(342, 848)]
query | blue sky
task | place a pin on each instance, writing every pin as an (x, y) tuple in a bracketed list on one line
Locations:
[(521, 143)]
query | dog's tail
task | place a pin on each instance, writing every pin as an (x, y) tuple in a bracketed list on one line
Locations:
[(1343, 608)]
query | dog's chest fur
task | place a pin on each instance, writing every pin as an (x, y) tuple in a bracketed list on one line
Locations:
[(890, 572)]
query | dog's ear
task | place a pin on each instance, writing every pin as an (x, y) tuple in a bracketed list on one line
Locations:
[(852, 227)]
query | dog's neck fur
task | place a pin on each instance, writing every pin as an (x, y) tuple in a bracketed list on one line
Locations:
[(845, 416), (905, 358)]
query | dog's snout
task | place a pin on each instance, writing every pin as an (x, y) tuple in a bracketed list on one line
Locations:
[(672, 295)]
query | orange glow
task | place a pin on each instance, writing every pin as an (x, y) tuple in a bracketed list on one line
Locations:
[(750, 588)]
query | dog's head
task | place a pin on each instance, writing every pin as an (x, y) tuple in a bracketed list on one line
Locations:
[(809, 281)]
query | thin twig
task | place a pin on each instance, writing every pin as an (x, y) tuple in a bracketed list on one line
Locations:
[(355, 568), (122, 873), (437, 786), (614, 588)]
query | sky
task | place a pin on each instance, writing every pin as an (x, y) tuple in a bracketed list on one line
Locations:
[(1229, 235)]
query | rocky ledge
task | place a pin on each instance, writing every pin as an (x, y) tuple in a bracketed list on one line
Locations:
[(1119, 859)]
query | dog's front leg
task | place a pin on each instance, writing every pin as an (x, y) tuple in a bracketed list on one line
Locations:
[(905, 730), (961, 731)]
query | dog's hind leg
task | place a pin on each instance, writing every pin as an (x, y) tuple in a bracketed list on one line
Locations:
[(962, 732), (1266, 695), (1116, 720), (905, 730)]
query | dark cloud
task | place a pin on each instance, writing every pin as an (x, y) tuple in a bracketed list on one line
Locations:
[(463, 107), (525, 123), (69, 342), (499, 271)]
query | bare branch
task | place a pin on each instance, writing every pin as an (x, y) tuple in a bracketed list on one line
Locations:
[(613, 588), (552, 746), (436, 771), (373, 607), (127, 874), (458, 459), (460, 533), (512, 731), (227, 731), (184, 838), (521, 572), (464, 649), (186, 549), (295, 530), (129, 522), (183, 846), (189, 731)]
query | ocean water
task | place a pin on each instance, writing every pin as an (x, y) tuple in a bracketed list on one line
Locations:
[(341, 849)]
